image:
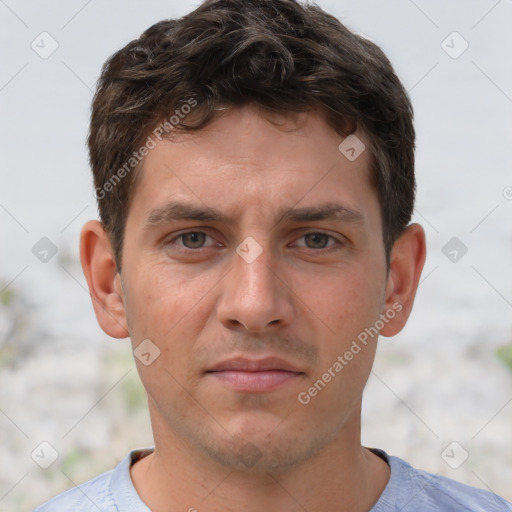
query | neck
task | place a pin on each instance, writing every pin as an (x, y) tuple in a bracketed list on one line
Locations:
[(343, 476)]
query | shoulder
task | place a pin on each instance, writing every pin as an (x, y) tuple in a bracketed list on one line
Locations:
[(414, 489), (111, 491), (87, 497)]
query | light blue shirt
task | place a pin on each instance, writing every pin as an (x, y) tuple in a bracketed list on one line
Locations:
[(408, 490)]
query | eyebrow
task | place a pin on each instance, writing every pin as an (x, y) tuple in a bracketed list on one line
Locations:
[(175, 211), (328, 211)]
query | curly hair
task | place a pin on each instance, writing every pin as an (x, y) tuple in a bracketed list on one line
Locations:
[(280, 55)]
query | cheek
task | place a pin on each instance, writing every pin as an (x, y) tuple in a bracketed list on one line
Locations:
[(159, 298), (171, 311), (344, 301), (348, 308)]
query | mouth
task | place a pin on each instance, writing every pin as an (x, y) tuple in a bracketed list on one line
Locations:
[(255, 375)]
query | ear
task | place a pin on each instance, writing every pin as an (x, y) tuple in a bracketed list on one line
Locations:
[(407, 260), (99, 267)]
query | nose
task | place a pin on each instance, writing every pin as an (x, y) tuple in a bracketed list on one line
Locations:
[(255, 295)]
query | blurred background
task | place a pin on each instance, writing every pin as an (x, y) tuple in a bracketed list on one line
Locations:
[(440, 396)]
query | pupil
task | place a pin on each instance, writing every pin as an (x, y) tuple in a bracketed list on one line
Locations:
[(318, 239), (193, 240)]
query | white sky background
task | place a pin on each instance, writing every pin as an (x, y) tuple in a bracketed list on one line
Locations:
[(463, 122), (463, 110)]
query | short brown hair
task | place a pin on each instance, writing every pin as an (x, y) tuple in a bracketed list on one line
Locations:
[(280, 55)]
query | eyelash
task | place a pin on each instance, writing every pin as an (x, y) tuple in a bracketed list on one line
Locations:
[(329, 248)]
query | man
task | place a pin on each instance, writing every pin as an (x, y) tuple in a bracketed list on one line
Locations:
[(254, 168)]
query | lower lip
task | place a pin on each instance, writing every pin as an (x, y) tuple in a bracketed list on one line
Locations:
[(256, 382)]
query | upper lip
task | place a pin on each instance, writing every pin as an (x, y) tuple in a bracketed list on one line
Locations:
[(254, 365)]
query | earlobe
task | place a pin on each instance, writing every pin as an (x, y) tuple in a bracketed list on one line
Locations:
[(407, 260), (104, 282)]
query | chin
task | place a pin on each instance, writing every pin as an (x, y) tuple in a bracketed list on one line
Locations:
[(259, 448)]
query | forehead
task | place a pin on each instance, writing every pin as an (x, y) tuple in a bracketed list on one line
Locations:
[(246, 158)]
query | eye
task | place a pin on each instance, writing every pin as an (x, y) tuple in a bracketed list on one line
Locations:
[(193, 240), (317, 240)]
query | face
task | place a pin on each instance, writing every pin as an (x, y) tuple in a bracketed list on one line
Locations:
[(253, 259)]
